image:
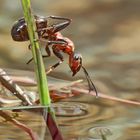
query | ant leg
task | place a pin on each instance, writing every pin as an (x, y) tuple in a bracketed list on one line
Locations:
[(48, 54), (60, 26), (30, 60), (59, 18), (57, 27), (59, 55), (53, 67), (58, 42), (61, 42), (29, 46)]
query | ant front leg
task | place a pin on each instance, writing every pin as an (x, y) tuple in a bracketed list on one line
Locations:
[(29, 47), (47, 50)]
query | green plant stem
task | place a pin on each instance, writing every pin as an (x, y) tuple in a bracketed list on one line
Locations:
[(38, 61)]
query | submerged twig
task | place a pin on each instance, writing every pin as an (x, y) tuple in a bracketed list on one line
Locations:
[(9, 101), (22, 126), (105, 96), (7, 82)]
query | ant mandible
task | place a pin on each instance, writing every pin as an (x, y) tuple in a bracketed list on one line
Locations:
[(58, 42)]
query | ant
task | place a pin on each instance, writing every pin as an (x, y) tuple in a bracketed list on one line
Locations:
[(58, 42)]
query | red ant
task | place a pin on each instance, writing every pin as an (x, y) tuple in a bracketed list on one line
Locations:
[(58, 42)]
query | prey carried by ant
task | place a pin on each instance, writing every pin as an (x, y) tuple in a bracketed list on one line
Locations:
[(52, 36)]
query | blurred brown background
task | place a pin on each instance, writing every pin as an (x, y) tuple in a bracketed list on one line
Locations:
[(105, 32)]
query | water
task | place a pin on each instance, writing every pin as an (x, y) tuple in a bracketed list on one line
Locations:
[(83, 117), (81, 121)]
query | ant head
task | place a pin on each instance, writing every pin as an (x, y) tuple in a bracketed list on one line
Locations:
[(75, 62)]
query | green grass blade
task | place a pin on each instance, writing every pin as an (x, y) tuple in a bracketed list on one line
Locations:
[(22, 107), (38, 61)]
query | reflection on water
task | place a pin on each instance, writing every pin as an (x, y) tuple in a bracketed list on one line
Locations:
[(81, 118), (70, 109), (98, 132)]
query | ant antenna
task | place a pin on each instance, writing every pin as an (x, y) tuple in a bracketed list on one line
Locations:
[(90, 83)]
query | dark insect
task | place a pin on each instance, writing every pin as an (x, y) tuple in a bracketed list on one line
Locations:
[(52, 36)]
